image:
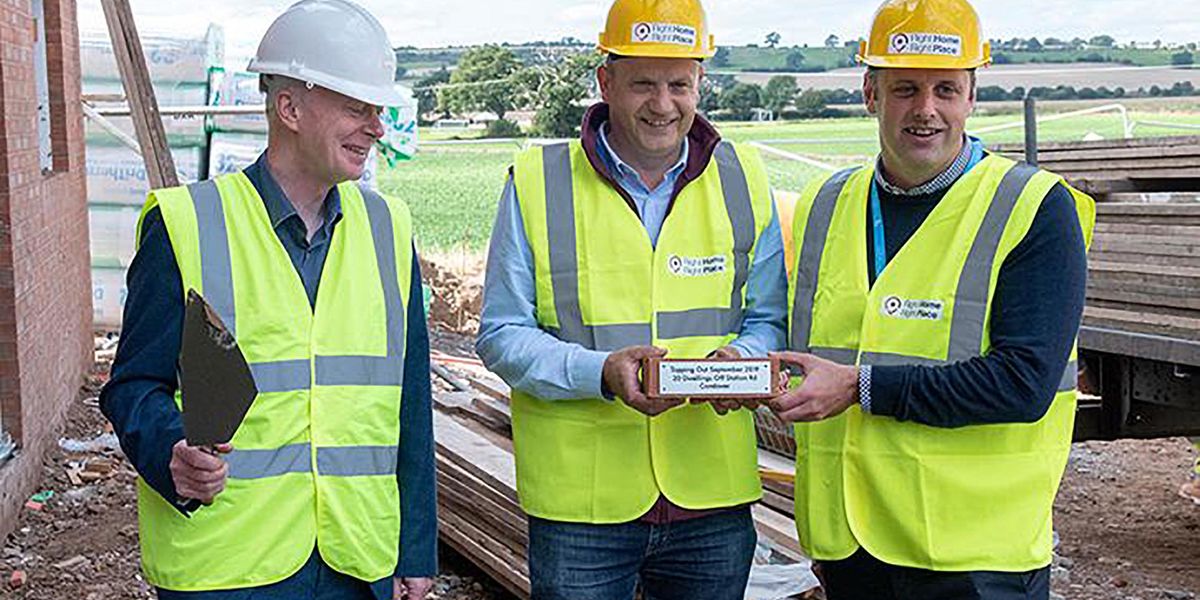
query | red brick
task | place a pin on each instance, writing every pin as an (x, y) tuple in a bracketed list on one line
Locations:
[(45, 295)]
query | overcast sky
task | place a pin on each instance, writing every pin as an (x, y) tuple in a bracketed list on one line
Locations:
[(459, 22)]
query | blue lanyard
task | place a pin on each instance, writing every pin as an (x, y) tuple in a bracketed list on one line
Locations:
[(877, 212)]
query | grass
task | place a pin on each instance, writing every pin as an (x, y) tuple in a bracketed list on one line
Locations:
[(453, 190), (452, 193)]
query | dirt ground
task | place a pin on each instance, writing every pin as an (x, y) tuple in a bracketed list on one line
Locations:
[(1124, 533)]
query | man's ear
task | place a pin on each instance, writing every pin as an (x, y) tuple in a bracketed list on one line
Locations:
[(869, 90), (288, 107), (604, 77)]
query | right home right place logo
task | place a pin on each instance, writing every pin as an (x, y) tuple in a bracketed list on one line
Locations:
[(912, 310)]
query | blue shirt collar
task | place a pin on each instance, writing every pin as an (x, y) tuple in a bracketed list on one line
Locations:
[(943, 181), (279, 208), (618, 167)]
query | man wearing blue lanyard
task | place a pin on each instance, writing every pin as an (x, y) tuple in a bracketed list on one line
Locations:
[(935, 302)]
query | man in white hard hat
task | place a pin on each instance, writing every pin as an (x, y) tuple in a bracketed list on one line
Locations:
[(649, 235), (936, 300), (327, 488)]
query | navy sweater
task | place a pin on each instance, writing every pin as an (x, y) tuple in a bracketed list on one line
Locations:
[(1035, 318), (139, 397)]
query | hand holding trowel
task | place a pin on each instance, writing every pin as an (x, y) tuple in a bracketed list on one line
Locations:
[(217, 389)]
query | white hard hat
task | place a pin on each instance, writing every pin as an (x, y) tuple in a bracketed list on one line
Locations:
[(335, 44)]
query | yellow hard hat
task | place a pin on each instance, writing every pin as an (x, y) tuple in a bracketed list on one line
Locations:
[(926, 34), (657, 29)]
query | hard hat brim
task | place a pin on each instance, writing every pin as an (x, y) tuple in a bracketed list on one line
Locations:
[(656, 51), (921, 62), (373, 95)]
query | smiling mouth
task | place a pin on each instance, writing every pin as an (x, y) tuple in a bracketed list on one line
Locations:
[(659, 123), (359, 151), (923, 132)]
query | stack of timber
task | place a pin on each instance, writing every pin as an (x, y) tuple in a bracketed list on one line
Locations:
[(1144, 279), (478, 512), (1161, 165)]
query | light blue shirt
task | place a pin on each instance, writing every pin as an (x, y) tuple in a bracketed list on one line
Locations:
[(511, 344)]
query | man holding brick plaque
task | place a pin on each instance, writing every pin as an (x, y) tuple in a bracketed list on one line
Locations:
[(648, 237)]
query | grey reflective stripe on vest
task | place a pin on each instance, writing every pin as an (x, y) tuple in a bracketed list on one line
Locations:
[(281, 376), (842, 356), (357, 461), (216, 270), (344, 461), (740, 208), (258, 464), (564, 261), (816, 231), (374, 370), (971, 297)]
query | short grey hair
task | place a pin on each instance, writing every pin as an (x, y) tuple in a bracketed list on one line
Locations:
[(271, 85)]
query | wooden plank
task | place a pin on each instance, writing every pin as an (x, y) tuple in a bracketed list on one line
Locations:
[(147, 123), (475, 454), (1106, 154), (493, 387), (1144, 142), (1187, 166), (1114, 209), (1166, 232), (1156, 197), (1147, 259), (778, 528), (507, 569), (1142, 322)]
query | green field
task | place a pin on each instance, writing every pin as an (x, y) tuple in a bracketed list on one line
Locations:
[(453, 190)]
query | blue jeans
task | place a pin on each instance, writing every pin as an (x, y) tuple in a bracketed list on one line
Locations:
[(707, 557), (864, 577), (314, 581)]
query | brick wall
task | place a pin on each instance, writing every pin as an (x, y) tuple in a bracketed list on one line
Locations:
[(45, 284)]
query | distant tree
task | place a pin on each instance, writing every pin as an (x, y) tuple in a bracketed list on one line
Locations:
[(721, 58), (1033, 45), (780, 93), (1078, 43), (795, 60), (484, 80), (833, 41), (399, 73), (811, 104), (991, 93), (426, 92), (1103, 41), (561, 89), (773, 39), (1181, 59), (740, 100), (709, 93), (1053, 42)]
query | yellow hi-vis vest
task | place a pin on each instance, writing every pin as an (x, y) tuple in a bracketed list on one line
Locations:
[(970, 498), (601, 284), (314, 461)]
